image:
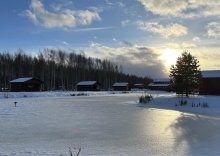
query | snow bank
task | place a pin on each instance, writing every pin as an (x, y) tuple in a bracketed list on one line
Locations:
[(48, 94), (194, 103)]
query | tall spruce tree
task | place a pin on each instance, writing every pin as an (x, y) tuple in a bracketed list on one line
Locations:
[(185, 74)]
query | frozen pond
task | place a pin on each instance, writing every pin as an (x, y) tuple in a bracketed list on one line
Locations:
[(102, 125)]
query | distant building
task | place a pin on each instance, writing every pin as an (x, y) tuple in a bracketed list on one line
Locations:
[(210, 82), (26, 84), (121, 86), (139, 86), (88, 86), (160, 84)]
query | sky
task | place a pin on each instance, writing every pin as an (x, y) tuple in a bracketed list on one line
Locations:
[(144, 36)]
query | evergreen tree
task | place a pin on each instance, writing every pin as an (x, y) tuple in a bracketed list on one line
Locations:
[(185, 75)]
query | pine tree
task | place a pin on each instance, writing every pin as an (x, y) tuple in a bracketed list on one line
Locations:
[(185, 74)]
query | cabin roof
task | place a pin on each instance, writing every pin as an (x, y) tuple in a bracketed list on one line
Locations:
[(211, 73), (85, 83), (120, 84), (138, 84), (158, 85), (23, 79), (162, 80)]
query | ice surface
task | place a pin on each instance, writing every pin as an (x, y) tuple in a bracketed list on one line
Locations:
[(107, 124)]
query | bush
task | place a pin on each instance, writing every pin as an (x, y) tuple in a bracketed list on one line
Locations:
[(145, 98), (183, 102), (71, 153), (205, 105)]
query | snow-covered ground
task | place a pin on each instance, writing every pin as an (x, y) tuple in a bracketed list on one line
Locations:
[(48, 94), (195, 103), (103, 123)]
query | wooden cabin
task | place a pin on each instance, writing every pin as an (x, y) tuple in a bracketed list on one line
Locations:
[(138, 86), (163, 84), (210, 82), (88, 86), (121, 86), (26, 84)]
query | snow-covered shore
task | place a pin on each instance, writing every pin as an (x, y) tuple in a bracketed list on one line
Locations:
[(47, 94), (161, 100), (209, 105)]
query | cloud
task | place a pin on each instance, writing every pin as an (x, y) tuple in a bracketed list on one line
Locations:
[(164, 7), (188, 45), (196, 39), (126, 43), (108, 2), (114, 39), (93, 29), (166, 31), (67, 18), (62, 4), (208, 57), (178, 46), (32, 16), (135, 59), (213, 29), (205, 8), (65, 43), (124, 22), (96, 9), (120, 4), (61, 42), (178, 8)]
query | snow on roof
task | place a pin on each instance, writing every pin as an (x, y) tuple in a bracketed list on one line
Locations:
[(167, 80), (211, 73), (24, 79), (86, 83), (138, 84), (162, 80), (158, 85), (120, 84)]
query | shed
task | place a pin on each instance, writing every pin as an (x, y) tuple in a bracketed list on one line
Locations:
[(88, 86), (138, 86), (160, 84), (210, 82), (121, 86), (27, 84)]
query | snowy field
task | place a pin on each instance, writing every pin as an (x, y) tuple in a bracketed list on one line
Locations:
[(103, 123)]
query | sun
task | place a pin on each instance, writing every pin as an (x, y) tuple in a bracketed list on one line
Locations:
[(170, 56)]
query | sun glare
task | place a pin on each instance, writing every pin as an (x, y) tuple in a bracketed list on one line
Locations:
[(170, 56)]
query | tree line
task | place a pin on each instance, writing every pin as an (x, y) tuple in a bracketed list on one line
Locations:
[(63, 70)]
